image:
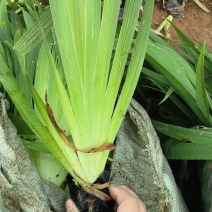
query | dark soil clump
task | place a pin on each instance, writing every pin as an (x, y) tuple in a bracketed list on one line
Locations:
[(86, 202)]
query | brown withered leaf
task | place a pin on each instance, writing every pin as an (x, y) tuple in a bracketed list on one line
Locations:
[(103, 147)]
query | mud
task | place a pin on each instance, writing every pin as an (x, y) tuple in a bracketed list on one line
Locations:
[(196, 24)]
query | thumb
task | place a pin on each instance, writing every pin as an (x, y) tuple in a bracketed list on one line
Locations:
[(70, 206)]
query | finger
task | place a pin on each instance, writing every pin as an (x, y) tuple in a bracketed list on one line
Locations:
[(125, 188), (71, 207), (126, 199), (132, 204), (121, 193)]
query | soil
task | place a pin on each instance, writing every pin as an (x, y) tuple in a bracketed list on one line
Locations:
[(196, 24), (86, 202)]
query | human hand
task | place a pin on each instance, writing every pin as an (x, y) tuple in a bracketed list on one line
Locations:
[(71, 207), (126, 199)]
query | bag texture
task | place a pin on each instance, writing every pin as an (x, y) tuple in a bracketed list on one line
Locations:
[(21, 188), (144, 168)]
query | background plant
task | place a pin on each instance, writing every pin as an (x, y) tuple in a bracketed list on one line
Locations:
[(175, 89), (185, 82)]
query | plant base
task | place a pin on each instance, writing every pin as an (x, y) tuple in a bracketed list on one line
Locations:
[(86, 202)]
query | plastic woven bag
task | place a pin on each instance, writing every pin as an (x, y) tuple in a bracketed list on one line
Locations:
[(144, 168), (21, 188), (205, 174)]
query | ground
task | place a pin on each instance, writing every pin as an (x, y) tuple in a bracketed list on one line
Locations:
[(196, 24)]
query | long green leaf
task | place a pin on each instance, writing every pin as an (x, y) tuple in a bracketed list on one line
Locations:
[(17, 95), (188, 46), (21, 102), (164, 85), (169, 92), (202, 96), (36, 34), (179, 74), (202, 6), (4, 17), (183, 134), (65, 103), (69, 23), (44, 83), (187, 151), (122, 50), (134, 70), (35, 145), (105, 49), (68, 153), (20, 124)]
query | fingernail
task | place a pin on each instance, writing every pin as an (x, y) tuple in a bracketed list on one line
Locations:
[(69, 205)]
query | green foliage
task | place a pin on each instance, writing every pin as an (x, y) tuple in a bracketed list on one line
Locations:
[(18, 18), (184, 79), (82, 74), (202, 6)]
